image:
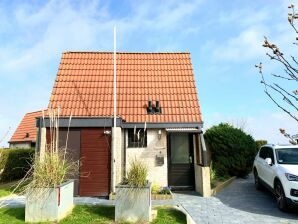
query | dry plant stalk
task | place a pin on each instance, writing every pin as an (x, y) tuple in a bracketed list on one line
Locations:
[(53, 168), (137, 174)]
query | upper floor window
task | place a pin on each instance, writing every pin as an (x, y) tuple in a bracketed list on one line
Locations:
[(137, 138)]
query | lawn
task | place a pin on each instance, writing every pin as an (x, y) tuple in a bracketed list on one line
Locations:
[(7, 188), (4, 192), (94, 214)]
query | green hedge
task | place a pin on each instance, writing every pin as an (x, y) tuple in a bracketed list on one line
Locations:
[(232, 150), (15, 163), (260, 143)]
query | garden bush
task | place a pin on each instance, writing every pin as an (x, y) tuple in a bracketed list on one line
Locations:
[(15, 163), (260, 143), (232, 150)]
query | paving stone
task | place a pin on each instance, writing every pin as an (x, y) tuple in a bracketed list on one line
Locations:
[(238, 203)]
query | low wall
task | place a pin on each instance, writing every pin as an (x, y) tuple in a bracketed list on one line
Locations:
[(203, 184)]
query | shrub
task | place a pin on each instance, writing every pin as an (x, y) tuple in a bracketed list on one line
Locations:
[(51, 171), (232, 150), (52, 168), (155, 189), (137, 175), (15, 163), (260, 143)]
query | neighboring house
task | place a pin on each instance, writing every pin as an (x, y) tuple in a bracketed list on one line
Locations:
[(25, 134), (158, 119)]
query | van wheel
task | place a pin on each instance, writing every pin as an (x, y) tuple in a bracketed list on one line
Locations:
[(258, 184), (280, 197)]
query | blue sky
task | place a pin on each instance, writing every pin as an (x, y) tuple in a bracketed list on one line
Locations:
[(223, 37)]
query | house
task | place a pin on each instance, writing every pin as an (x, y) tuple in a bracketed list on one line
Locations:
[(158, 119), (25, 135)]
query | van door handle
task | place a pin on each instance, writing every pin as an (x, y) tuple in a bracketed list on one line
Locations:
[(190, 159)]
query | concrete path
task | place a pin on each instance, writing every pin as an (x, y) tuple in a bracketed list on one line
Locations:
[(237, 203), (98, 201), (13, 202), (19, 201)]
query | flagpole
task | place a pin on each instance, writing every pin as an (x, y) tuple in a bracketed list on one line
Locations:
[(113, 151), (115, 76)]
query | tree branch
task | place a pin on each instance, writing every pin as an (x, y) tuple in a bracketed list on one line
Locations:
[(282, 77), (272, 99)]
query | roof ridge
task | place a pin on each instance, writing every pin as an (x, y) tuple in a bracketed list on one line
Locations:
[(123, 52)]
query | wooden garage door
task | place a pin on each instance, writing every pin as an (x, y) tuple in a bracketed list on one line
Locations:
[(95, 162)]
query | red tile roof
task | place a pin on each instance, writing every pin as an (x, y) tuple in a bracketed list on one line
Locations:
[(27, 125), (84, 86)]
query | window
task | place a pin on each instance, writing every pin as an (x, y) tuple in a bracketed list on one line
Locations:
[(137, 138), (287, 156), (263, 153), (266, 152)]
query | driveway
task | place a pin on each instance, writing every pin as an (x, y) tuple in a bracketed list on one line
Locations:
[(237, 203)]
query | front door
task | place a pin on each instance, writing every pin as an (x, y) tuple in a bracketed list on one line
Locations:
[(181, 168)]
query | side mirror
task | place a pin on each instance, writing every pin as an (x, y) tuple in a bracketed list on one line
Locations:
[(268, 161)]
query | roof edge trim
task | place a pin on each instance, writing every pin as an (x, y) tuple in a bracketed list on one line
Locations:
[(108, 122)]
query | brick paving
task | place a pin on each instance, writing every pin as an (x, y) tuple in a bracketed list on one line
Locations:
[(237, 203)]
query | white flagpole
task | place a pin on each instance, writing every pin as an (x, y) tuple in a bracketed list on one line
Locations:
[(113, 168), (115, 76)]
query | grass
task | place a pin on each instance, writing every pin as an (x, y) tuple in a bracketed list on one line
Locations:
[(90, 214), (12, 215), (216, 179), (93, 214), (167, 215), (4, 192), (7, 188)]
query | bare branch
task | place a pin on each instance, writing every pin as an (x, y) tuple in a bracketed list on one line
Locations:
[(290, 72), (273, 100), (293, 58), (5, 135), (288, 112), (291, 95), (285, 98), (282, 77)]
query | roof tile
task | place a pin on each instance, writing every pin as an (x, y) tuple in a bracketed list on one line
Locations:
[(84, 86), (27, 125)]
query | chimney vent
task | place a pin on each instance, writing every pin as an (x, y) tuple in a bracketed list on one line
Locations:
[(157, 108), (149, 108)]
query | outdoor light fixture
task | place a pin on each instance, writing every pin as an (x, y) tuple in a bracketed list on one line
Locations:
[(107, 132), (159, 134)]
